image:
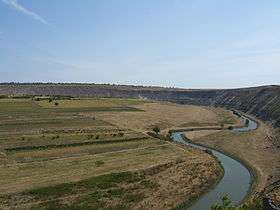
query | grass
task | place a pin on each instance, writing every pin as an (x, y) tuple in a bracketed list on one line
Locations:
[(54, 153), (77, 144), (99, 182), (69, 156), (99, 163), (15, 177), (89, 193)]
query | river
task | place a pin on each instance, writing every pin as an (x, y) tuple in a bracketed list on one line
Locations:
[(236, 182)]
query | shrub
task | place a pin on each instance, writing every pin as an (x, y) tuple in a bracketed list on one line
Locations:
[(134, 197), (56, 103), (55, 137), (99, 163), (156, 129), (179, 160), (226, 205), (149, 184), (121, 134), (208, 151)]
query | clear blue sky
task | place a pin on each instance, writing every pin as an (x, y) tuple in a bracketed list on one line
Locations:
[(182, 43)]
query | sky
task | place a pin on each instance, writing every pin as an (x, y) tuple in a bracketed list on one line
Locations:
[(171, 43)]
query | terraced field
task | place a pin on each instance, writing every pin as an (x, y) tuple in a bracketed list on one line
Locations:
[(70, 154)]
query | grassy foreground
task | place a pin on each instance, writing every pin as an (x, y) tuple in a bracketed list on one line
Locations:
[(94, 154)]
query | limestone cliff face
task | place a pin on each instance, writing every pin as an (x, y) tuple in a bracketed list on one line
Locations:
[(263, 102)]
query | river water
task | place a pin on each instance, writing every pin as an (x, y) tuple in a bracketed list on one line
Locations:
[(236, 182)]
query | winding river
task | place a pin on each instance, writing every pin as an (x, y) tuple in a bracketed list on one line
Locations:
[(236, 182)]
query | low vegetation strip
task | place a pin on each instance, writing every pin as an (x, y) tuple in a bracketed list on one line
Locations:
[(68, 152), (94, 109), (50, 146)]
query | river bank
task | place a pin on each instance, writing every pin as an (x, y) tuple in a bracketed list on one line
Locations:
[(236, 180), (254, 149)]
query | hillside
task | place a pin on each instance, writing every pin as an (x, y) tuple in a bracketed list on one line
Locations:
[(263, 102)]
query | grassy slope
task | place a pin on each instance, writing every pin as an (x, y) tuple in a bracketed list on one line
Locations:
[(43, 144)]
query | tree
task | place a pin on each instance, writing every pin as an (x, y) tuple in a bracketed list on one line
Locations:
[(156, 129), (226, 205)]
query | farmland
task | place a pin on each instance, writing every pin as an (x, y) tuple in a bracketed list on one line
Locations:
[(95, 153)]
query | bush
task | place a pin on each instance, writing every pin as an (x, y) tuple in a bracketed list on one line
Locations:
[(3, 96), (121, 134), (208, 151), (99, 163), (56, 103), (226, 205), (55, 137), (156, 129)]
